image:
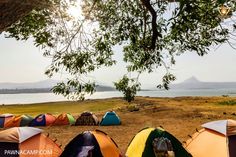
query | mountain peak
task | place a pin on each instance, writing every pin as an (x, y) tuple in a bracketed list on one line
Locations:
[(192, 79)]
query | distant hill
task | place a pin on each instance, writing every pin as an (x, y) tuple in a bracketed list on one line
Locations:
[(30, 85), (38, 87), (101, 88), (194, 83), (21, 91)]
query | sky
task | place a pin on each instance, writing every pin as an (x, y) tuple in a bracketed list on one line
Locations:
[(21, 61)]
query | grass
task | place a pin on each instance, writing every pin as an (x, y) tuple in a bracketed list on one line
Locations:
[(60, 107), (227, 102), (180, 116)]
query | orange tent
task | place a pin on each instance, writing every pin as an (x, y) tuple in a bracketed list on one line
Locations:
[(216, 139), (4, 118), (92, 144), (64, 119), (27, 142), (16, 121)]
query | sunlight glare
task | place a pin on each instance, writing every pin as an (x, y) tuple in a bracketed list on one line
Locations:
[(76, 11)]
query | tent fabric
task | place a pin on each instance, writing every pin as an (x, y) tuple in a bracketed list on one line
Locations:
[(87, 118), (98, 143), (4, 118), (64, 119), (85, 150), (219, 126), (225, 127), (217, 138), (231, 127), (6, 115), (232, 144), (207, 143), (9, 135), (110, 118), (43, 143), (16, 121), (43, 120), (18, 134), (141, 144), (25, 133), (27, 142)]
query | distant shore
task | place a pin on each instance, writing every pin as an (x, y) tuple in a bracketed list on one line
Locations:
[(29, 98), (25, 91)]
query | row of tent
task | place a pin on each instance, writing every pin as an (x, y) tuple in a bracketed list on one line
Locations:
[(86, 118), (215, 139)]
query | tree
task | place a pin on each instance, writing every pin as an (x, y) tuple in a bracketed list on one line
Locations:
[(152, 33), (129, 87)]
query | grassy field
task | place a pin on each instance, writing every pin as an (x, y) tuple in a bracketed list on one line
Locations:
[(180, 116), (56, 108)]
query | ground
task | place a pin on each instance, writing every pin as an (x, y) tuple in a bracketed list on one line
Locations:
[(180, 116)]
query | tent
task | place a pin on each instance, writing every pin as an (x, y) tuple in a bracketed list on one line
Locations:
[(21, 120), (110, 118), (93, 144), (27, 142), (64, 119), (4, 118), (216, 139), (43, 120), (141, 144), (87, 118)]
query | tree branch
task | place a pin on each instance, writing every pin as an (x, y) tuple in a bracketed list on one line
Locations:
[(155, 33)]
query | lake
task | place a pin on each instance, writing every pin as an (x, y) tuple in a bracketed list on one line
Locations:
[(50, 97)]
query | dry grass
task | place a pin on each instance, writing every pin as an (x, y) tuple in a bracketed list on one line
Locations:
[(180, 116)]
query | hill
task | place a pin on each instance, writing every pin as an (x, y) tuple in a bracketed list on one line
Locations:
[(38, 87), (194, 83), (29, 85)]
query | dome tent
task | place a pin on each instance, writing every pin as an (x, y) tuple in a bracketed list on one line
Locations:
[(87, 118), (110, 118), (21, 120), (27, 142), (141, 144), (94, 143), (217, 138), (64, 119), (4, 118), (43, 120)]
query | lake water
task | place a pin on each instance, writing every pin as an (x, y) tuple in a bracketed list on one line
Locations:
[(50, 97)]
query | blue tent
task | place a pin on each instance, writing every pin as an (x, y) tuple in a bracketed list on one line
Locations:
[(43, 120), (110, 118)]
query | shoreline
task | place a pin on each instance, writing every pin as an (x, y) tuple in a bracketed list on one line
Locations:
[(103, 99)]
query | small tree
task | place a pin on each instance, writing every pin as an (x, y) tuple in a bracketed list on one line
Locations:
[(128, 86)]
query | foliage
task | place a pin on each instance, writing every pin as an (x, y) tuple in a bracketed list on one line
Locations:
[(73, 89), (129, 87), (227, 103), (152, 34)]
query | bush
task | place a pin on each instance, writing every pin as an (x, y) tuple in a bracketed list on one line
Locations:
[(228, 103)]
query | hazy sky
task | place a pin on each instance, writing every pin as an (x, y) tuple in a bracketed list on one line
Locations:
[(23, 62)]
